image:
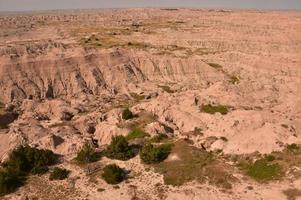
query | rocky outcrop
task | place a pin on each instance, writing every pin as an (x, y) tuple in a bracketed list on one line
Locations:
[(49, 76)]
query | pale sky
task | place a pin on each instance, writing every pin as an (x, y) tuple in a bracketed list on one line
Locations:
[(28, 5)]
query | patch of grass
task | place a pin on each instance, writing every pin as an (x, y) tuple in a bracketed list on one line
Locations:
[(271, 166), (136, 133), (87, 155), (262, 170), (150, 154), (119, 149), (59, 174), (215, 109), (188, 166), (113, 174), (188, 163)]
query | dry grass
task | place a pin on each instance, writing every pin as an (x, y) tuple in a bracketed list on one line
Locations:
[(38, 187), (193, 164), (139, 122)]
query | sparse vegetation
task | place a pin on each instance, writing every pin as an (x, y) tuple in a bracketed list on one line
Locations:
[(211, 109), (113, 174), (87, 155), (293, 148), (191, 163), (22, 162), (59, 174), (136, 133), (127, 114), (263, 170), (158, 138), (150, 154), (119, 149)]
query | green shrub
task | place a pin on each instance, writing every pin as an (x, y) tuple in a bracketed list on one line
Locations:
[(87, 155), (59, 174), (26, 159), (23, 161), (9, 182), (263, 170), (136, 133), (119, 149), (150, 154), (127, 114), (214, 109), (113, 174)]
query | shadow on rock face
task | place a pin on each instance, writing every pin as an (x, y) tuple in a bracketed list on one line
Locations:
[(7, 118)]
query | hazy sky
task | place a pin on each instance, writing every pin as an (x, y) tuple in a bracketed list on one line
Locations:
[(25, 5)]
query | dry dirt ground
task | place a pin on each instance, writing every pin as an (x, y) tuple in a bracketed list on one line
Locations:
[(165, 64)]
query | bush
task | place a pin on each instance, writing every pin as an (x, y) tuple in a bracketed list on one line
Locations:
[(119, 149), (136, 133), (87, 155), (154, 154), (23, 161), (127, 114), (59, 174), (113, 174), (9, 182), (26, 159)]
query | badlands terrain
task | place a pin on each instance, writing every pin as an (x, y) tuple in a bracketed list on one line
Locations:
[(222, 87)]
